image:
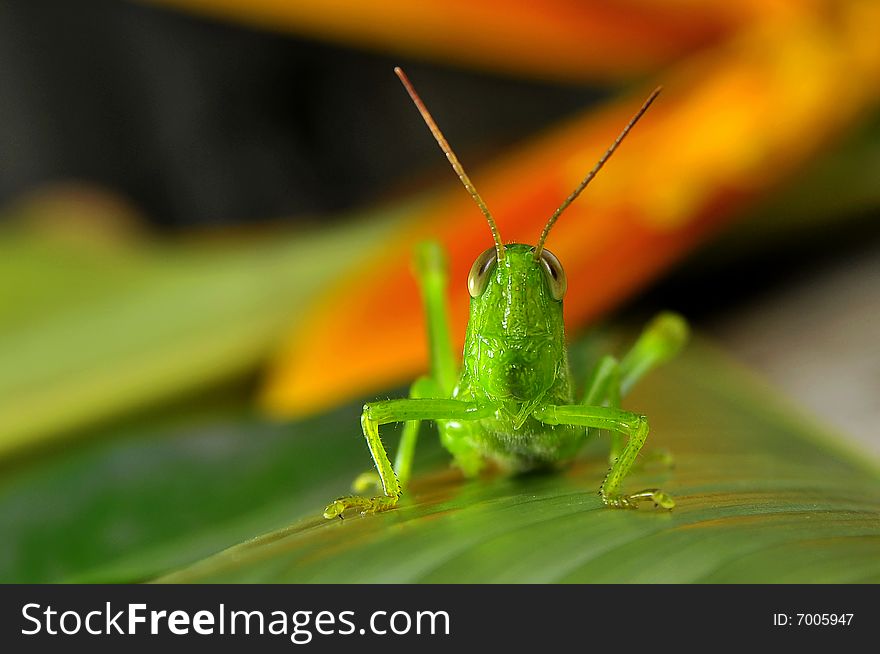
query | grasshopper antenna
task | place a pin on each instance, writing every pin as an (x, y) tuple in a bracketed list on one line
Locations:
[(450, 155), (605, 157)]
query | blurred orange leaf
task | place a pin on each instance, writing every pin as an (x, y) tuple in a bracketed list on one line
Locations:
[(560, 39), (732, 123)]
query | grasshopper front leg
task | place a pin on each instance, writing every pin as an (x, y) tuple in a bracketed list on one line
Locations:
[(661, 339), (386, 412), (633, 425), (422, 388)]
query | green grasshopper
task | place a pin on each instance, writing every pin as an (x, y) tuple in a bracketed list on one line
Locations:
[(512, 403)]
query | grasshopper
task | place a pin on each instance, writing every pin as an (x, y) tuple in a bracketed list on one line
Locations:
[(512, 402)]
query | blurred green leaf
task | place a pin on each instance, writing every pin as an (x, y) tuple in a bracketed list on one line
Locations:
[(88, 333), (762, 497), (147, 495)]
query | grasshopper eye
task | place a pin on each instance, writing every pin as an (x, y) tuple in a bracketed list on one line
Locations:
[(478, 277), (555, 274)]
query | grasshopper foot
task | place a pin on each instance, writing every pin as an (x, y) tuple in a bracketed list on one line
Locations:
[(655, 495), (366, 505)]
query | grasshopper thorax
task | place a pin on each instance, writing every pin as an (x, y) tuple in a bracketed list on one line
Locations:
[(515, 342)]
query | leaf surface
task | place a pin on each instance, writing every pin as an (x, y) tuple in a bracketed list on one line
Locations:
[(762, 497)]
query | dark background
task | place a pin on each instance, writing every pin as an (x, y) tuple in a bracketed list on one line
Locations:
[(203, 123)]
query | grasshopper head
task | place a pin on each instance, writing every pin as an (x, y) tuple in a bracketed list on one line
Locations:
[(515, 344)]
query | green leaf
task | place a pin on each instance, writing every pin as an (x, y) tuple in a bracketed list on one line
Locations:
[(89, 332), (762, 495), (141, 497)]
